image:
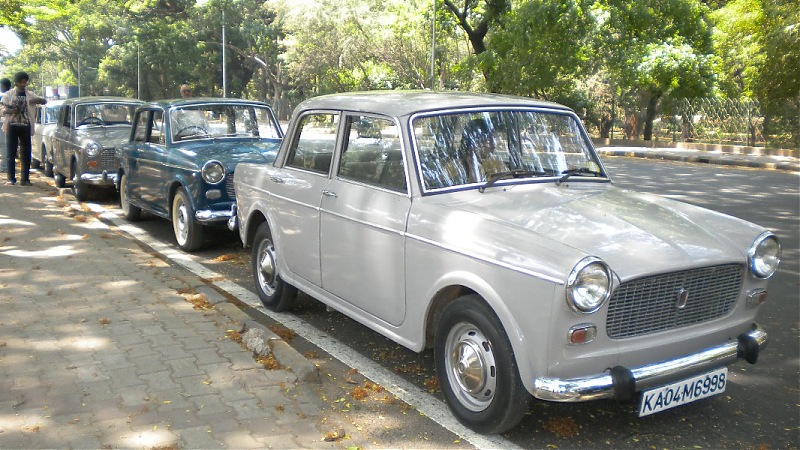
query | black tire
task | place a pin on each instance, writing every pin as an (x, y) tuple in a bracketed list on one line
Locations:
[(275, 294), (37, 162), (129, 212), (476, 368), (79, 188), (48, 168), (60, 179), (188, 232)]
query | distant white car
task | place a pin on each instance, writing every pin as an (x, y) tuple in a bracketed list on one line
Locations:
[(42, 139), (486, 227)]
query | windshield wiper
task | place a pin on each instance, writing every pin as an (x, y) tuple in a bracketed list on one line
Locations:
[(495, 177), (581, 171)]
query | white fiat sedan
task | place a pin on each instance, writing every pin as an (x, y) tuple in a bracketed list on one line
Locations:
[(486, 227)]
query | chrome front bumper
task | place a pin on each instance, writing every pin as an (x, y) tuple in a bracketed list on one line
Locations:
[(622, 383), (104, 178), (206, 216)]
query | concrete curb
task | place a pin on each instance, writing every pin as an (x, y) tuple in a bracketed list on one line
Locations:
[(706, 158)]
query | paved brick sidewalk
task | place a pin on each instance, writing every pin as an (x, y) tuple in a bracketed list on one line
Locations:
[(104, 345)]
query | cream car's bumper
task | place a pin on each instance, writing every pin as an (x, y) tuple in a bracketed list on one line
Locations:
[(622, 383)]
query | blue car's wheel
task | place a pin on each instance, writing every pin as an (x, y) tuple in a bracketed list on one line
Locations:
[(188, 232)]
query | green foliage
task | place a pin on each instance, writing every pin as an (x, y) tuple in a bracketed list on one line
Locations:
[(591, 55), (541, 50)]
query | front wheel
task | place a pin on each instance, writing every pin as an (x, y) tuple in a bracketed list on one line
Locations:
[(79, 187), (275, 294), (476, 368), (48, 168), (188, 232), (60, 179), (130, 212)]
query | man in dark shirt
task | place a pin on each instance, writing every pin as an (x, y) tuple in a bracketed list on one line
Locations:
[(19, 111)]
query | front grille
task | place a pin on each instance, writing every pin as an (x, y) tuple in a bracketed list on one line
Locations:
[(649, 305), (229, 186), (108, 160)]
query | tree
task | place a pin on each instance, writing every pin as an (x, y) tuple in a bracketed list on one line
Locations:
[(657, 47), (541, 50)]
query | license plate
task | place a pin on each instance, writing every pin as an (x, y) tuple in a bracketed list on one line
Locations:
[(683, 392)]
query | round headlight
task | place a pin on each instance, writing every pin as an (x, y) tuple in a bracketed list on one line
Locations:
[(765, 255), (588, 285), (92, 149), (213, 172)]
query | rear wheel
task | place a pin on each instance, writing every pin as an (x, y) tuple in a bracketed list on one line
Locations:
[(476, 367), (188, 232), (275, 294), (130, 212)]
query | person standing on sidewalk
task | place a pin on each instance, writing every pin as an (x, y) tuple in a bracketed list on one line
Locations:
[(19, 110), (5, 85)]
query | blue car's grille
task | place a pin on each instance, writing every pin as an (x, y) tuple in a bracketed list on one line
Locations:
[(650, 304)]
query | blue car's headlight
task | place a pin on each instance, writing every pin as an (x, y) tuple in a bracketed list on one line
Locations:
[(765, 255), (213, 172), (588, 285), (92, 149)]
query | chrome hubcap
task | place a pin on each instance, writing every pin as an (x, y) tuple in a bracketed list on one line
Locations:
[(181, 221), (266, 268), (471, 368)]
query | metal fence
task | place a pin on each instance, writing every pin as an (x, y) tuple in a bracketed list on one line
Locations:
[(702, 120)]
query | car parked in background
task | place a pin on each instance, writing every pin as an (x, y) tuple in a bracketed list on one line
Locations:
[(180, 161), (42, 139), (85, 140), (486, 227)]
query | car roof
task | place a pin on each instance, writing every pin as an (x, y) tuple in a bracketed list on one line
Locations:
[(404, 103), (201, 101), (100, 99)]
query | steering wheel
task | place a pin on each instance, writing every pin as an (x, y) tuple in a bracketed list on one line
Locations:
[(92, 120), (191, 130)]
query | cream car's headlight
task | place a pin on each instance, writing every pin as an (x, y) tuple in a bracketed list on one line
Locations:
[(765, 255), (92, 149), (588, 285), (213, 172)]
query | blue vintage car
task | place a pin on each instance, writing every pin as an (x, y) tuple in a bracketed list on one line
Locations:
[(179, 161)]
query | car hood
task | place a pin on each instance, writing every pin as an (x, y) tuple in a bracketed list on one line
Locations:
[(634, 233), (105, 136), (232, 152)]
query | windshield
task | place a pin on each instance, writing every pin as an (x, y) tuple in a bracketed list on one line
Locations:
[(220, 121), (464, 148), (104, 114)]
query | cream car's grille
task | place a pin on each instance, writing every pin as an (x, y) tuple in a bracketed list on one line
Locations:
[(229, 186), (652, 304), (108, 160)]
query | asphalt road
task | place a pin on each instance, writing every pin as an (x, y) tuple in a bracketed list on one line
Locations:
[(761, 406)]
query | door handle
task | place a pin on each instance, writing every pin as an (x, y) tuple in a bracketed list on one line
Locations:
[(276, 180), (328, 193)]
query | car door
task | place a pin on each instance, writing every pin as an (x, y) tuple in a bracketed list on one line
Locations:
[(296, 191), (363, 218), (60, 139), (148, 159)]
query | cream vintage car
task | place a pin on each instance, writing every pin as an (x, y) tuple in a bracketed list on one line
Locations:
[(487, 228)]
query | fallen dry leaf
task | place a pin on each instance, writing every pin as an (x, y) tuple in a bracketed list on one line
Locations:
[(562, 426), (103, 321), (283, 332), (334, 436), (269, 362)]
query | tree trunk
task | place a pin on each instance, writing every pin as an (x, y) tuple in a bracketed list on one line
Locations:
[(650, 116)]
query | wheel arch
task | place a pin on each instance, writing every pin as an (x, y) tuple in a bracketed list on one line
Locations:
[(457, 284), (251, 226)]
